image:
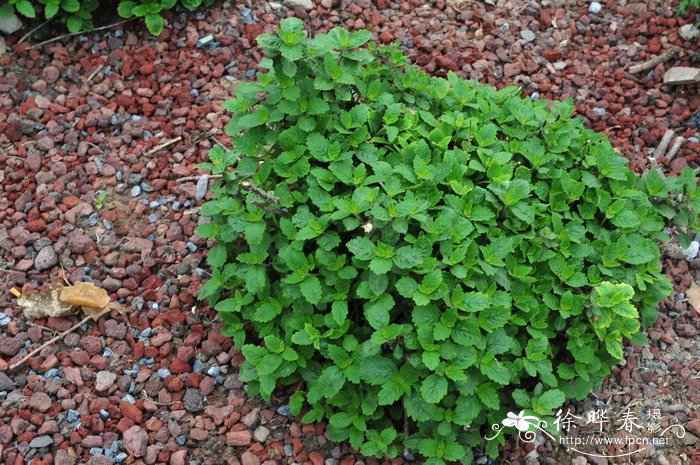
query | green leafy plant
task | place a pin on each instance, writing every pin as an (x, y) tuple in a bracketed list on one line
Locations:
[(100, 199), (415, 256), (77, 14), (686, 3)]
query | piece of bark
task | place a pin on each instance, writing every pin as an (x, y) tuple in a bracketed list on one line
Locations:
[(647, 65), (682, 75)]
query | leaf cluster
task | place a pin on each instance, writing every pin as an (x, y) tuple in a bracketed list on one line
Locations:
[(77, 14), (404, 248)]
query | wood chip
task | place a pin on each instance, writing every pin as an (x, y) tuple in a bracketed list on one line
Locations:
[(85, 295), (44, 304), (693, 295)]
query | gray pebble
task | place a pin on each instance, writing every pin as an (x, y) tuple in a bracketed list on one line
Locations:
[(594, 8), (528, 35), (41, 441), (283, 410), (135, 191)]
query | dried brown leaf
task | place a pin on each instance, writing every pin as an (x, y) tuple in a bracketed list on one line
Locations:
[(693, 295), (85, 295), (46, 303)]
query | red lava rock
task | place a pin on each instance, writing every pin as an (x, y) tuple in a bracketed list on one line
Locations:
[(239, 438), (178, 458), (40, 401), (51, 74), (131, 411), (136, 441), (316, 458), (79, 242), (654, 45), (178, 367), (248, 458), (92, 345), (511, 69), (9, 346)]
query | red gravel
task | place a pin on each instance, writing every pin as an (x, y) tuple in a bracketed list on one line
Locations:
[(83, 115)]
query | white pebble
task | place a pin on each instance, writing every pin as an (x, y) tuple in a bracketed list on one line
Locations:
[(692, 251), (594, 8)]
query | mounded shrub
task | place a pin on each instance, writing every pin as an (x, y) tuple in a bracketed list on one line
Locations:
[(77, 14), (416, 255)]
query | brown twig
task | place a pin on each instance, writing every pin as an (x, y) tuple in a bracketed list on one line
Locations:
[(197, 178), (247, 185), (94, 73), (28, 34), (675, 147), (665, 141), (163, 145), (65, 36), (671, 53), (49, 342), (271, 208)]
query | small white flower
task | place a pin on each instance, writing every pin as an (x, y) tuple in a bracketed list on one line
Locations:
[(520, 421), (367, 227)]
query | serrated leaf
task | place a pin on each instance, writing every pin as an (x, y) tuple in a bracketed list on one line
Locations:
[(311, 289), (434, 388)]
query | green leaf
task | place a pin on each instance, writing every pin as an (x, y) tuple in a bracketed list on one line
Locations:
[(311, 289), (317, 106), (377, 312), (154, 23), (613, 344), (551, 399), (25, 8), (74, 24), (339, 310), (434, 388), (361, 248), (50, 10)]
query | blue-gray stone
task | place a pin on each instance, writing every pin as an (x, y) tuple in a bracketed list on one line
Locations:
[(74, 415), (528, 35), (176, 206), (191, 246), (120, 457), (41, 441), (181, 440), (288, 450), (135, 191), (118, 33), (93, 219), (594, 8), (104, 414), (200, 189), (250, 73), (52, 373), (152, 217), (535, 96), (194, 93), (107, 224), (283, 410), (163, 373), (107, 352), (205, 40), (154, 204), (198, 366), (214, 370), (599, 110), (96, 451), (129, 398)]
